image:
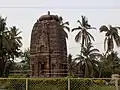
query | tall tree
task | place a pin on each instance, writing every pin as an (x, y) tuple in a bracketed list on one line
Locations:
[(88, 61), (3, 42), (9, 46), (83, 35), (111, 37)]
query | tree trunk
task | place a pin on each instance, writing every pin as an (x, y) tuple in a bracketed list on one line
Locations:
[(82, 45), (7, 67), (1, 57), (1, 67)]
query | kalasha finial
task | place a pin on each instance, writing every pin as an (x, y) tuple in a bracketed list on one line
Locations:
[(48, 12)]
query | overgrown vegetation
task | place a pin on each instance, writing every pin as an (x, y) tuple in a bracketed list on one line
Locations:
[(10, 44), (88, 63)]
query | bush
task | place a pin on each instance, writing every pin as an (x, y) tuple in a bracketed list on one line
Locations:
[(80, 84), (48, 84), (17, 84)]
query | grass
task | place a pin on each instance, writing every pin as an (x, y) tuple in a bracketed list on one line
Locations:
[(52, 87), (64, 87), (102, 88), (54, 84), (48, 84)]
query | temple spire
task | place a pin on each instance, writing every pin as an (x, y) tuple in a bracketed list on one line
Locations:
[(48, 12)]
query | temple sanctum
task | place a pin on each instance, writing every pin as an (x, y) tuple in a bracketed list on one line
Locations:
[(48, 51)]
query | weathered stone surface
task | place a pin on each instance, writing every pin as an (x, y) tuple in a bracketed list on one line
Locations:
[(48, 51)]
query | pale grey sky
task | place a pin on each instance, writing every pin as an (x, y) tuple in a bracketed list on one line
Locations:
[(99, 12)]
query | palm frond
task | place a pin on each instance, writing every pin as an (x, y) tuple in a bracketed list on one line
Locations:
[(19, 33), (65, 34), (110, 44), (93, 50), (117, 40), (78, 37), (103, 28), (105, 42), (92, 28), (67, 28), (60, 19), (87, 40), (114, 30), (79, 57), (84, 21), (118, 28), (89, 46), (90, 36), (78, 28), (79, 22), (93, 55), (66, 23)]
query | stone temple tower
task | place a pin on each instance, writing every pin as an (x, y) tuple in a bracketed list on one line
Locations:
[(48, 51)]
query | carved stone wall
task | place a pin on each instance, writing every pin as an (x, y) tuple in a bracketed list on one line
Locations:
[(48, 51)]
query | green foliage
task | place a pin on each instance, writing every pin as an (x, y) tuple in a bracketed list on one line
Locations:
[(64, 26), (111, 37), (71, 66), (48, 84), (17, 84), (13, 84), (110, 64), (10, 44), (25, 59), (62, 84), (83, 36), (4, 84), (88, 61), (56, 84), (17, 76), (80, 84)]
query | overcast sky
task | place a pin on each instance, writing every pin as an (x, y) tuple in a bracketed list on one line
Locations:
[(24, 13)]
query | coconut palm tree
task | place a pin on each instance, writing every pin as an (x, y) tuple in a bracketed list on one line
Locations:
[(9, 44), (111, 37), (83, 35), (65, 26), (88, 61)]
